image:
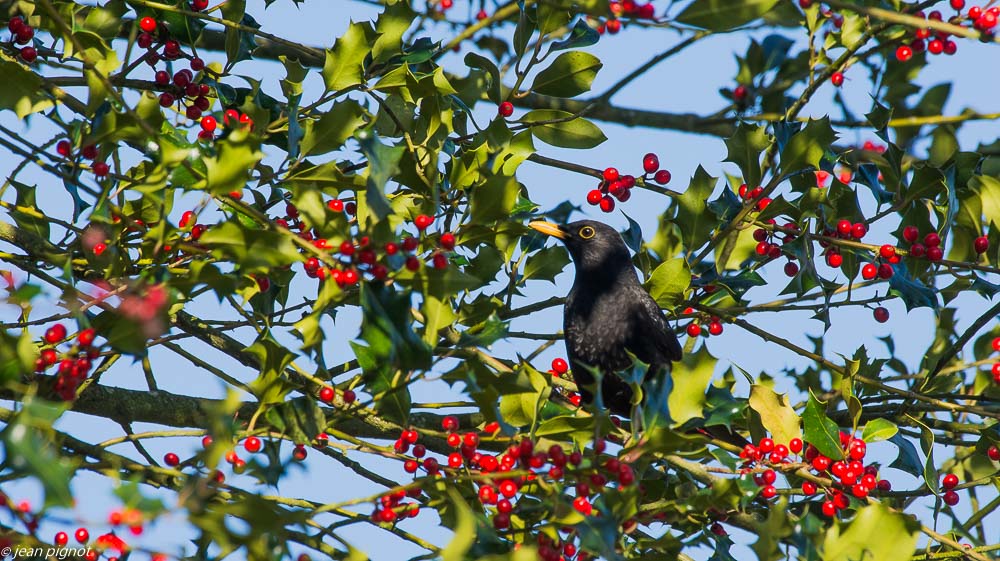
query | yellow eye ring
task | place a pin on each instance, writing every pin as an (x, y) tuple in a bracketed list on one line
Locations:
[(586, 232)]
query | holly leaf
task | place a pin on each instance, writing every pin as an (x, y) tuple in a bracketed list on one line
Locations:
[(721, 15), (820, 430), (777, 416), (569, 75)]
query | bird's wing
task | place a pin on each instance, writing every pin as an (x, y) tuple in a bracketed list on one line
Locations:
[(652, 340)]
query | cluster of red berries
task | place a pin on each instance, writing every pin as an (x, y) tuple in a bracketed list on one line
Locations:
[(327, 394), (694, 328), (89, 151), (622, 9), (930, 248), (131, 518), (850, 477), (231, 118), (359, 256), (75, 364), (499, 493), (616, 186), (182, 85), (939, 42), (768, 247), (22, 34), (558, 368), (845, 230), (996, 365), (753, 196), (886, 257)]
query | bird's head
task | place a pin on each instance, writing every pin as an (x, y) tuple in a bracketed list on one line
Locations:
[(596, 248)]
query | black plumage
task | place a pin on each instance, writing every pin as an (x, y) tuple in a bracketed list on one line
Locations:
[(608, 314)]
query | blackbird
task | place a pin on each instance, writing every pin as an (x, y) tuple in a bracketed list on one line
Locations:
[(608, 314)]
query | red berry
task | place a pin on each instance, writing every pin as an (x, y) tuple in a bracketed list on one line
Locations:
[(791, 269), (949, 481), (440, 261), (583, 506), (326, 394), (614, 26), (932, 240), (809, 488), (82, 535), (869, 271), (693, 329), (662, 177), (166, 99), (887, 251), (594, 197), (837, 79), (858, 230), (795, 445), (740, 93), (981, 244), (935, 46), (768, 492), (911, 233), (449, 423), (607, 204), (560, 366), (844, 227), (506, 109), (55, 333), (349, 396), (993, 453), (904, 53), (950, 498), (650, 163), (412, 263), (447, 241), (715, 328), (171, 459), (834, 260), (829, 509), (610, 174), (208, 123), (917, 250), (410, 244), (881, 314), (252, 444), (422, 221), (885, 270), (28, 54), (147, 24), (935, 253)]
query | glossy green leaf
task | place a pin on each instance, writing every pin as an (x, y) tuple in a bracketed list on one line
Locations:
[(878, 430), (877, 532), (721, 15), (669, 281), (776, 414), (820, 431), (691, 377), (562, 129), (569, 75), (693, 218), (806, 148), (344, 65)]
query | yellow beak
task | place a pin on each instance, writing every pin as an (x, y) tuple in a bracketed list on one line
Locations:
[(548, 228)]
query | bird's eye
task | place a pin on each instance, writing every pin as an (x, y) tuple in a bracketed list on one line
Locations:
[(587, 232)]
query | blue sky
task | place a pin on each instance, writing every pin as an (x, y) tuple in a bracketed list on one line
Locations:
[(686, 83)]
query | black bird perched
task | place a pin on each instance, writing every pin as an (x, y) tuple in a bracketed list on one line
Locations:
[(608, 314)]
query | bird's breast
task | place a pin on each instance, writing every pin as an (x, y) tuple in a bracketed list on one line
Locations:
[(596, 327)]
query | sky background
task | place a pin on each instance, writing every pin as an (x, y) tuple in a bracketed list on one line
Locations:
[(685, 83)]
